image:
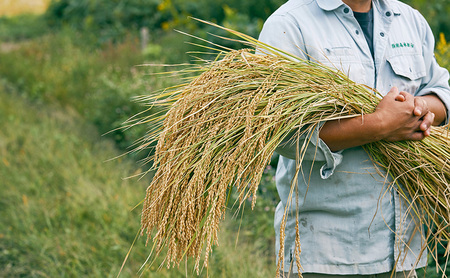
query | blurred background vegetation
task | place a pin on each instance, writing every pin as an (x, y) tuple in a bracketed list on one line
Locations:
[(68, 72)]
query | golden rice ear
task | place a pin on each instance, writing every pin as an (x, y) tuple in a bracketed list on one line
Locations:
[(220, 130)]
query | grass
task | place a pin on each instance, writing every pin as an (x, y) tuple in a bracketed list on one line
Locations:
[(68, 69), (63, 208), (67, 213)]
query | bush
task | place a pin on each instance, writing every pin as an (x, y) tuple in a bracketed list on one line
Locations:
[(436, 12), (443, 52), (109, 20), (22, 27)]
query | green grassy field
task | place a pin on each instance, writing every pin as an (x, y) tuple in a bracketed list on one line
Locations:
[(66, 212), (66, 207)]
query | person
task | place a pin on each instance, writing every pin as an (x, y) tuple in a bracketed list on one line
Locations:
[(351, 222)]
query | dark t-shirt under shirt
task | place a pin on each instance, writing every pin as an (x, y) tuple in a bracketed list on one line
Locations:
[(365, 20)]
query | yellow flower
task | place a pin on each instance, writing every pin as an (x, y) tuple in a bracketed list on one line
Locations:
[(161, 6), (164, 5), (165, 25)]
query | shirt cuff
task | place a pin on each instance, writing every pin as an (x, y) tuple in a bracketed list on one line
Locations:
[(332, 159), (316, 150)]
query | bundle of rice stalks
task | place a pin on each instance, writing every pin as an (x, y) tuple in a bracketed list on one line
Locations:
[(222, 126)]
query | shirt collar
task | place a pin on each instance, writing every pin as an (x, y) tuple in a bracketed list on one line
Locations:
[(329, 5)]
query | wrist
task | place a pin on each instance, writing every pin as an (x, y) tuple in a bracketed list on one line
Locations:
[(436, 106), (377, 126)]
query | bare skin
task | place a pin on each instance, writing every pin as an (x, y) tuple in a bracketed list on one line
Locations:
[(361, 6)]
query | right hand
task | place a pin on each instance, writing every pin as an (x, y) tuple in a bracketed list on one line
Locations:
[(403, 116)]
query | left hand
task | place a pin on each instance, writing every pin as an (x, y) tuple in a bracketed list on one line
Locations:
[(422, 110)]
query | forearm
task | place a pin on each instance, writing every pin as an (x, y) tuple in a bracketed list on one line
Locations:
[(352, 132)]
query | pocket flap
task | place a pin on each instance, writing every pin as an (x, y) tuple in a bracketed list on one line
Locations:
[(411, 66)]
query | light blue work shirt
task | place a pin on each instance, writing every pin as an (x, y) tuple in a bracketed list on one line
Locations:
[(351, 221)]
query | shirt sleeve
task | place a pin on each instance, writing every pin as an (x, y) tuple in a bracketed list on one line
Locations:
[(436, 80), (282, 32), (310, 147)]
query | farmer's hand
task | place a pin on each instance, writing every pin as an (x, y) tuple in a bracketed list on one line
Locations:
[(403, 116), (421, 105), (398, 116)]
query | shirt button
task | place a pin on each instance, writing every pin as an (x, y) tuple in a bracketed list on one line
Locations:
[(382, 34), (388, 13), (357, 32), (346, 10)]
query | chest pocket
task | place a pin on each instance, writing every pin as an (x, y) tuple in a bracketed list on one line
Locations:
[(408, 68), (411, 65), (342, 58)]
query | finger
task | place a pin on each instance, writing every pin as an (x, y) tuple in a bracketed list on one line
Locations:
[(427, 121), (406, 95), (420, 106), (400, 98)]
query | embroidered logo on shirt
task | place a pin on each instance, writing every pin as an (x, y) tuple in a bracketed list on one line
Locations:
[(405, 44)]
